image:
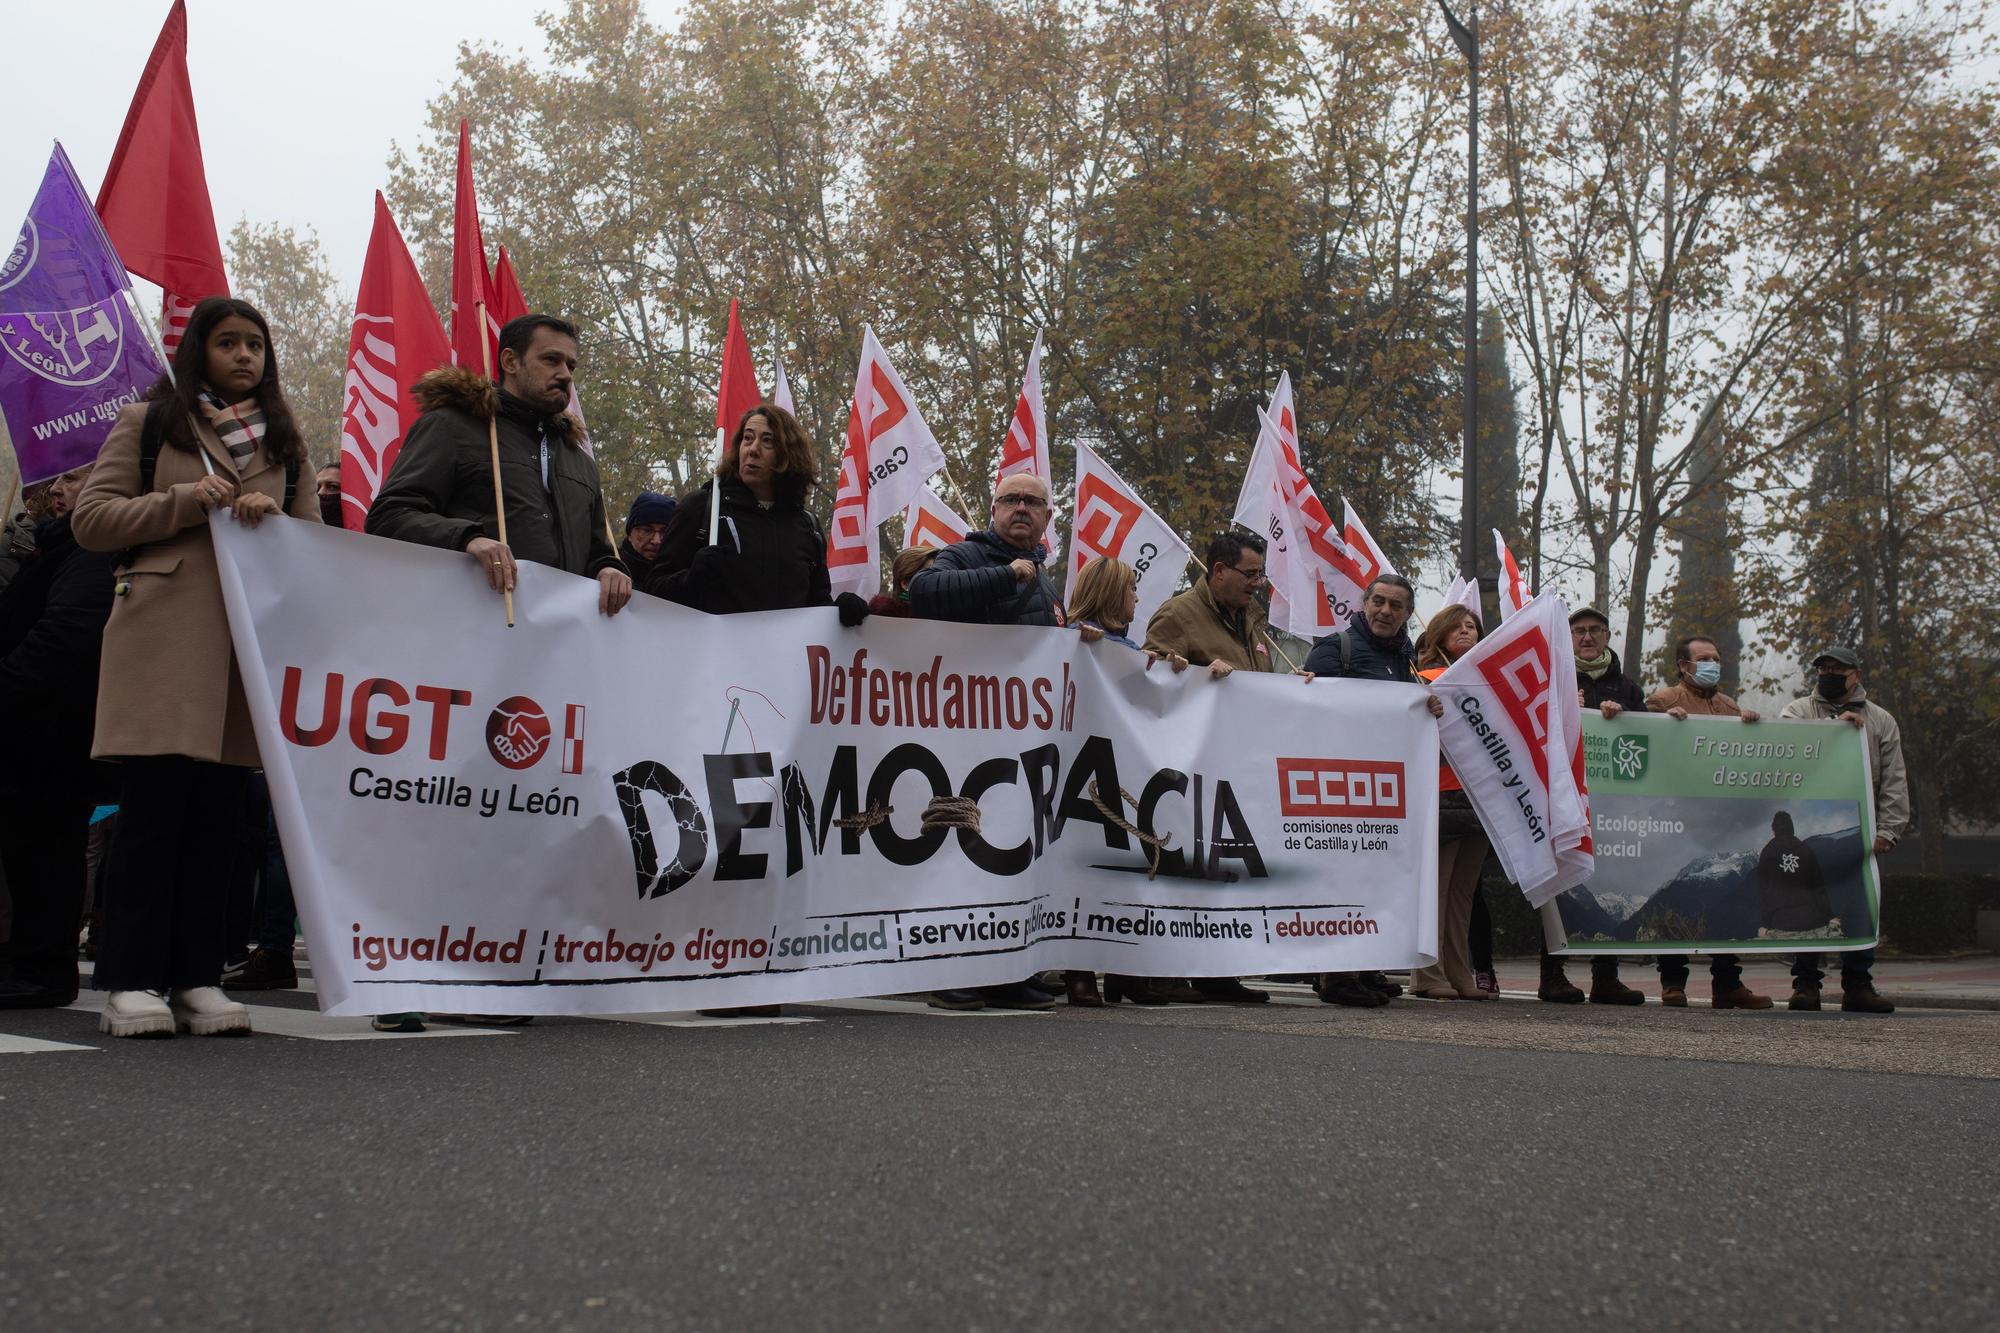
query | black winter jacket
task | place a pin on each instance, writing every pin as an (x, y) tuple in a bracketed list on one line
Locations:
[(440, 490), (1613, 686), (1370, 658), (52, 618), (969, 582), (769, 559)]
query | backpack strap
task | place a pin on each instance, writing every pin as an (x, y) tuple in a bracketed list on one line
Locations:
[(152, 434), (1346, 637)]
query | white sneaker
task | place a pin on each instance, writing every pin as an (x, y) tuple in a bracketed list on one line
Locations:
[(207, 1012), (136, 1013)]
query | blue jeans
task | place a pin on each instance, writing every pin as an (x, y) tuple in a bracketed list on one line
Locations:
[(1856, 970), (1725, 971)]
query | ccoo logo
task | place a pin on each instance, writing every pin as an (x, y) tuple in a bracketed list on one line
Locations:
[(1104, 518), (517, 732)]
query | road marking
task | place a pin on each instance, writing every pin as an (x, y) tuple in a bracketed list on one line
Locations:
[(11, 1045), (311, 1025)]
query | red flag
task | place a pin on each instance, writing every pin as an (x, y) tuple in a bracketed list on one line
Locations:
[(508, 302), (396, 338), (471, 284), (738, 392), (154, 202)]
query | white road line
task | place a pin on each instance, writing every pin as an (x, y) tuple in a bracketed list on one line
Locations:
[(311, 1025), (11, 1045)]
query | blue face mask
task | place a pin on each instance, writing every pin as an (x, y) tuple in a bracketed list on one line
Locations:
[(1708, 674)]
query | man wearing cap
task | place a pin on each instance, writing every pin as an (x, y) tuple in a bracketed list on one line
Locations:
[(1698, 693), (1601, 683), (1838, 696), (645, 530)]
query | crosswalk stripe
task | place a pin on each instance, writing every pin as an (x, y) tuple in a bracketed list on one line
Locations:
[(12, 1045), (311, 1025)]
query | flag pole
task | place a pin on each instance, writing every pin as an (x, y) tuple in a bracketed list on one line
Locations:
[(493, 446), (714, 489)]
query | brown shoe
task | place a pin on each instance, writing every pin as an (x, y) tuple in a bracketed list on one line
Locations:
[(1175, 990), (1864, 1000), (1613, 991), (1557, 989), (1082, 987), (1673, 997), (1740, 997), (1805, 999)]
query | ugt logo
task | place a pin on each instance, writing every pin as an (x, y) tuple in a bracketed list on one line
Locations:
[(1104, 518), (1628, 758), (73, 348)]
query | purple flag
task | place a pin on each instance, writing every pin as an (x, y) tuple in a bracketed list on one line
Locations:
[(71, 354)]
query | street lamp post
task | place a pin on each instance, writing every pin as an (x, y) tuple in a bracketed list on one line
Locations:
[(1467, 37)]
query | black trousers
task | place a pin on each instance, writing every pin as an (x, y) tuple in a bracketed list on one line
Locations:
[(166, 886), (42, 841), (1479, 933)]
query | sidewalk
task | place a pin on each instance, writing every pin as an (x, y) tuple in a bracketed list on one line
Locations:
[(1968, 982)]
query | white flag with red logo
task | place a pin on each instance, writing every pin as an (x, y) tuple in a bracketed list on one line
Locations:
[(890, 454), (853, 544), (1317, 574), (1512, 732), (930, 523), (396, 338), (1112, 520), (1027, 445), (1513, 589)]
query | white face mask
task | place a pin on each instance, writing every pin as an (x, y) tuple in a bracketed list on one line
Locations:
[(1707, 674)]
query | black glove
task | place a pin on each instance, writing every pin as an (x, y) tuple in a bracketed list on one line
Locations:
[(853, 609), (712, 565)]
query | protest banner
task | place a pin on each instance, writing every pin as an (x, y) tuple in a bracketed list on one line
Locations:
[(666, 810), (1716, 836)]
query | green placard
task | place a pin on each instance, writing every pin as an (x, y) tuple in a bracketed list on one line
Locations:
[(1714, 835)]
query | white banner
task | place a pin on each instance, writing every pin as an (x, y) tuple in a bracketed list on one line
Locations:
[(1512, 733), (1112, 520), (666, 810)]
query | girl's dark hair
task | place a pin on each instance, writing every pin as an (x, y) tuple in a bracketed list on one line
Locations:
[(175, 395), (796, 469)]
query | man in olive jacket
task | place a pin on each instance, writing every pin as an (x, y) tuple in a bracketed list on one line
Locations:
[(440, 490), (1218, 623)]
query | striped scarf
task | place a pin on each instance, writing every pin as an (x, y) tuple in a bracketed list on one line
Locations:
[(240, 426)]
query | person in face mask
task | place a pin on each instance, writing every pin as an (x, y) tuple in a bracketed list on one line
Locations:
[(1698, 693), (1839, 696), (327, 482)]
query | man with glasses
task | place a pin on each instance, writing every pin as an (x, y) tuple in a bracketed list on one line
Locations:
[(1601, 683), (1218, 624), (994, 578)]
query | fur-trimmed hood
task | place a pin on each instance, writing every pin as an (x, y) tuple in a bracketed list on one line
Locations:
[(456, 389)]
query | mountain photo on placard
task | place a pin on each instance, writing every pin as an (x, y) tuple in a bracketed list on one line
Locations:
[(1699, 873)]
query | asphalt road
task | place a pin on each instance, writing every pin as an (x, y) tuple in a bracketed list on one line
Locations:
[(1427, 1166)]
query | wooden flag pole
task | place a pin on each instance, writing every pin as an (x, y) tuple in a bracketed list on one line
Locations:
[(493, 445)]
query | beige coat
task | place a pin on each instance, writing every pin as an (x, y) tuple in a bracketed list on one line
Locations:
[(169, 683), (1190, 624), (1885, 757)]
